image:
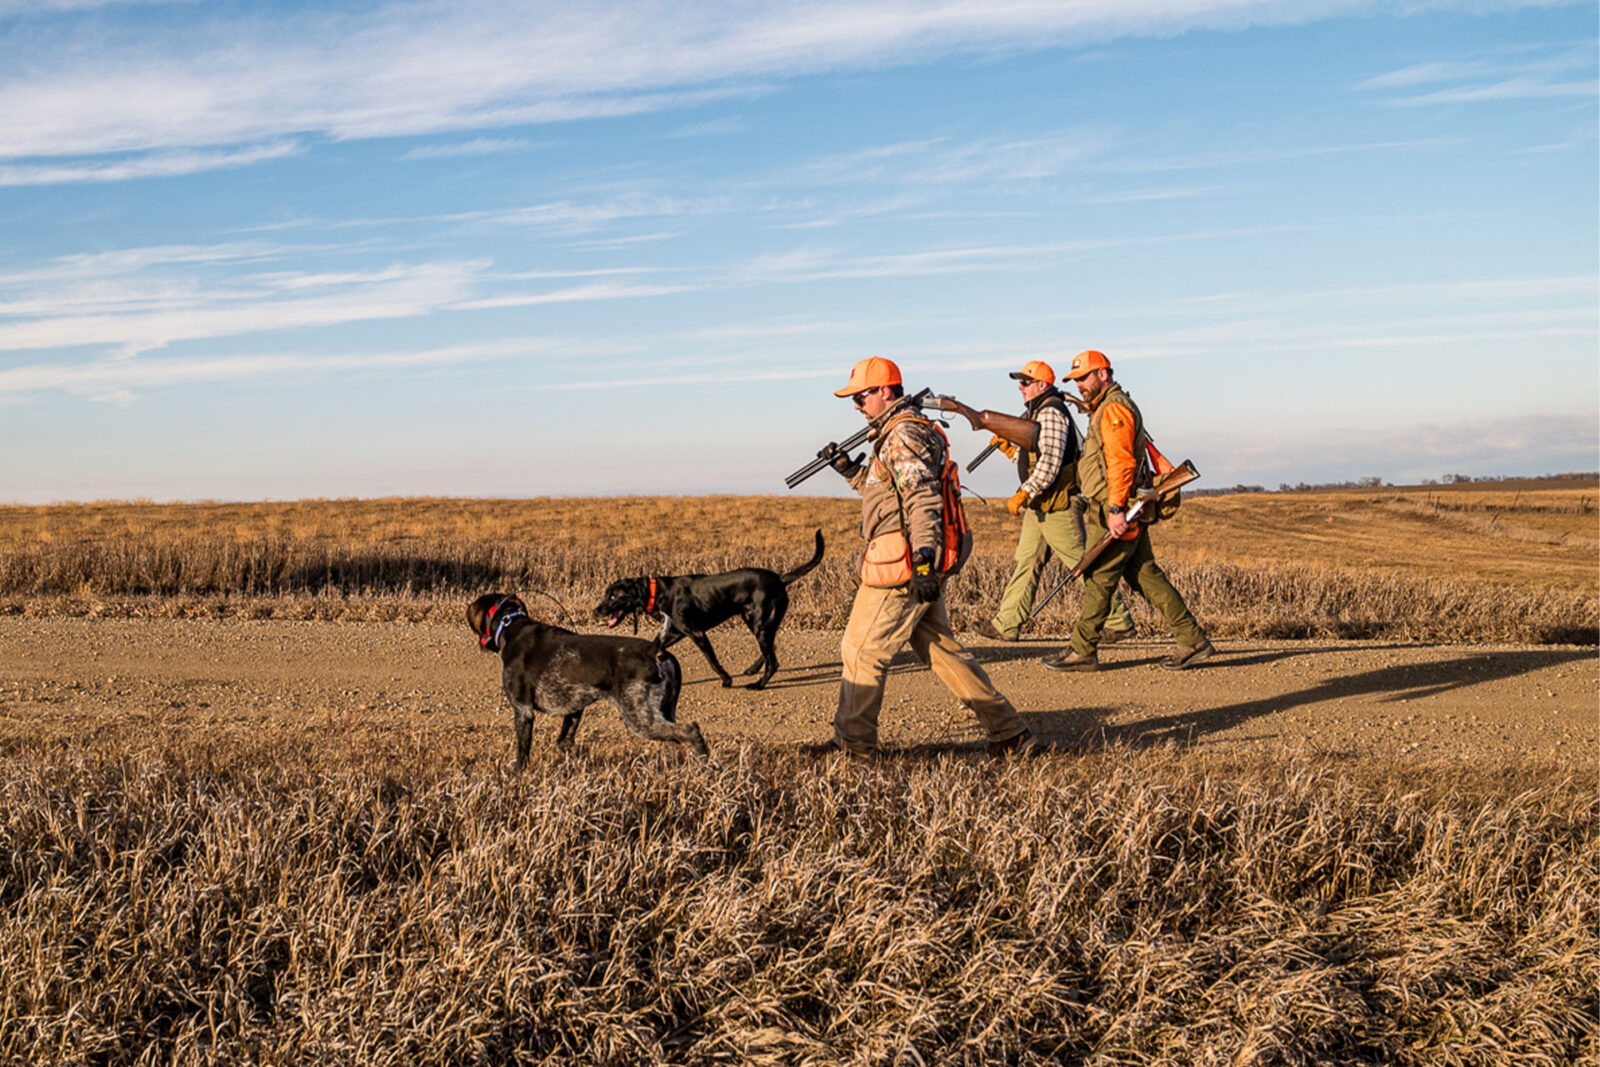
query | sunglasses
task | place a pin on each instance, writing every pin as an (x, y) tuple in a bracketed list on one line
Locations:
[(860, 398)]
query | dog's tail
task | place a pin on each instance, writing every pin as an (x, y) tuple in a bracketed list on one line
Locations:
[(806, 567), (671, 682)]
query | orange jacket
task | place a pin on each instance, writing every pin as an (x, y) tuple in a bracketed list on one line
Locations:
[(1117, 439)]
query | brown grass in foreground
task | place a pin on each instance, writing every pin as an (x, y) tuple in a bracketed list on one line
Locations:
[(1421, 565), (165, 903)]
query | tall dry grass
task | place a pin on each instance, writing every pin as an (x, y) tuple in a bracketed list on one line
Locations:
[(1308, 565), (161, 905)]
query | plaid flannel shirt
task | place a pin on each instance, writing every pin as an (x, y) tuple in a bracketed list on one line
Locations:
[(1052, 449)]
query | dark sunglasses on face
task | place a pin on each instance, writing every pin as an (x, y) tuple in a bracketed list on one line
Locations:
[(860, 398)]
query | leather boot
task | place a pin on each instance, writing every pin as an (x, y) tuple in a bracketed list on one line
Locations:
[(1068, 660)]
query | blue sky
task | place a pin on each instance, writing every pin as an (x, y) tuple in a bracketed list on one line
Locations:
[(277, 251)]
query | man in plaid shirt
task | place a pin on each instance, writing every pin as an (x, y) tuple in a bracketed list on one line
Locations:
[(1050, 506)]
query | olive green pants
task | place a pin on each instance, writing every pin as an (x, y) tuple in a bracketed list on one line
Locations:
[(883, 621), (1045, 535), (1135, 561)]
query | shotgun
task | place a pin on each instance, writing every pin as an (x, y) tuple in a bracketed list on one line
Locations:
[(1165, 486), (1018, 429), (866, 433)]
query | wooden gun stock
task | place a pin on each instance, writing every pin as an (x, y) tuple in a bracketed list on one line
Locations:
[(1018, 429), (1164, 486)]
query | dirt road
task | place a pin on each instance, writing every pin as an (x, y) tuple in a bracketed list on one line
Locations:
[(366, 683)]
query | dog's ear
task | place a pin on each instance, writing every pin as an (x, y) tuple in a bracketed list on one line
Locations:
[(513, 604)]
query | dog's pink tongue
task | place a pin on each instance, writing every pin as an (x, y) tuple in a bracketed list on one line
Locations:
[(614, 620)]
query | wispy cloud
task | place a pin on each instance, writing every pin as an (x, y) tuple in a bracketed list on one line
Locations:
[(152, 165), (165, 312), (427, 67), (722, 127), (577, 293), (1519, 75), (117, 379), (479, 146)]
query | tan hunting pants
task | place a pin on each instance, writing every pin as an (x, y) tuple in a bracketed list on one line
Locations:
[(882, 621)]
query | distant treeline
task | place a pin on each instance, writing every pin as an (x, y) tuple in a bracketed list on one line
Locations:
[(1374, 482)]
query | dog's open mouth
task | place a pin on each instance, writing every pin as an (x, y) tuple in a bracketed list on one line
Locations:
[(613, 620)]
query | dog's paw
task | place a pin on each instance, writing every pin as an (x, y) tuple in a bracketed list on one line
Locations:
[(727, 683)]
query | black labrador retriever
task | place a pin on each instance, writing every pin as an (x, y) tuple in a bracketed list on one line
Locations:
[(559, 672), (690, 604)]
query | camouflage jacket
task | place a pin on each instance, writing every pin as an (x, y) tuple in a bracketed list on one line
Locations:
[(903, 474)]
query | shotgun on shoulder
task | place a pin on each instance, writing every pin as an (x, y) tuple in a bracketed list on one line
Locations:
[(861, 436), (1164, 486), (1018, 429)]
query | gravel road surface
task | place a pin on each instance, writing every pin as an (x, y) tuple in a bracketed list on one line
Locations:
[(72, 678)]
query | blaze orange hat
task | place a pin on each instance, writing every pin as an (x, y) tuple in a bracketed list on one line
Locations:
[(869, 374), (1036, 370), (1086, 362)]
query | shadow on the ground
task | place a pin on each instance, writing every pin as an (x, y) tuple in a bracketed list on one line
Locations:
[(1411, 681)]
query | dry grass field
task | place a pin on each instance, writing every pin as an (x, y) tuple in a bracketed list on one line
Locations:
[(1457, 563), (195, 869)]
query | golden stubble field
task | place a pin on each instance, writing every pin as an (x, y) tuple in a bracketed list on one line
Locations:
[(1456, 563), (256, 807)]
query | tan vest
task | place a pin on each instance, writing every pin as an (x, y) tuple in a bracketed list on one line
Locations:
[(887, 560), (1058, 497), (1092, 460)]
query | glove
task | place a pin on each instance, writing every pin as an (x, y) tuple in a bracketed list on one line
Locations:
[(841, 461), (924, 582), (1018, 501), (1005, 446)]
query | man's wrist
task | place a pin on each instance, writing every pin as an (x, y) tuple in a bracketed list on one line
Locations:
[(1115, 509)]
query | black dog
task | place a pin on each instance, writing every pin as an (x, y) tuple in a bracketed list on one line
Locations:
[(690, 604), (559, 672)]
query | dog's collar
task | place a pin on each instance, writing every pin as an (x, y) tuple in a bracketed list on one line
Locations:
[(650, 605), (492, 643)]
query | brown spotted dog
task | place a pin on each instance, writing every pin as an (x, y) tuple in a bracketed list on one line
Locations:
[(558, 672)]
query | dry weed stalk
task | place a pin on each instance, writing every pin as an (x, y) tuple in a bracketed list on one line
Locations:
[(412, 559), (1122, 907)]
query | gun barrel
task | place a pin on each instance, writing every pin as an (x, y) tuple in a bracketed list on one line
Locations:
[(864, 434), (980, 457), (817, 464)]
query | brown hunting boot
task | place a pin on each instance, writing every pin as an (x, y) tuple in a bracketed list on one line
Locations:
[(1185, 658), (992, 632), (1068, 660), (1021, 745), (1108, 636)]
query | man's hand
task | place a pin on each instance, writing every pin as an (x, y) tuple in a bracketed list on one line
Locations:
[(1005, 446), (841, 461), (1117, 523), (1018, 501), (924, 582)]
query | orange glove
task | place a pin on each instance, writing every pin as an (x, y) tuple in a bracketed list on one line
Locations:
[(1018, 501), (1005, 446)]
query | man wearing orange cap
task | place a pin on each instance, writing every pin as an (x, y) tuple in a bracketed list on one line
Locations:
[(1050, 506), (900, 599), (1107, 468)]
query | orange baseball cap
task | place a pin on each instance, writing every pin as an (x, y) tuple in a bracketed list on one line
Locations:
[(1086, 362), (869, 374), (1036, 370)]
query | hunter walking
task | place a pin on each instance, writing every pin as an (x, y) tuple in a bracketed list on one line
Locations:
[(1113, 451), (1051, 507), (900, 599)]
